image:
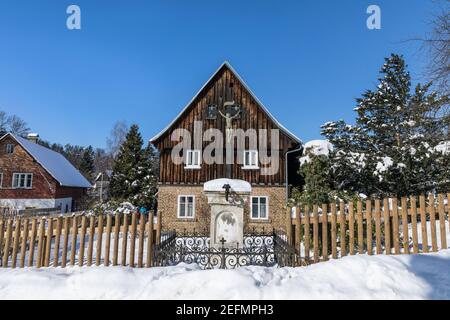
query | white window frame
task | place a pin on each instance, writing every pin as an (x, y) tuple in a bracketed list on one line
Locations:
[(9, 148), (251, 165), (190, 156), (18, 186), (185, 211), (259, 208)]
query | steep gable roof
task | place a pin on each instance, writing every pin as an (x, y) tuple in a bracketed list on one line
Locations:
[(54, 163), (261, 105)]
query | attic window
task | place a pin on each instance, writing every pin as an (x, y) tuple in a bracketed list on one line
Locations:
[(231, 84), (211, 112), (193, 159), (9, 148)]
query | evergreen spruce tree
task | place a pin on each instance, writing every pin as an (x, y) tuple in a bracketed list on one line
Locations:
[(133, 177), (86, 165), (317, 188), (391, 150)]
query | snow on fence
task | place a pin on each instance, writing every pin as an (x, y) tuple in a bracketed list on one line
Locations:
[(386, 226), (78, 240)]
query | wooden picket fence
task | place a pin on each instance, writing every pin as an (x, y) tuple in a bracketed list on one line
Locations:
[(387, 226), (82, 240)]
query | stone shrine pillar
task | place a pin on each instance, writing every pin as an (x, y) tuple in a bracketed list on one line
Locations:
[(227, 215)]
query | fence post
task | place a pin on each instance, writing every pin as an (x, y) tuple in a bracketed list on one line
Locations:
[(369, 226), (16, 240), (395, 226), (141, 240), (116, 239), (405, 225), (158, 227), (124, 240), (423, 223), (32, 241), (65, 241), (57, 241), (48, 243), (23, 246), (316, 233), (378, 226), (414, 224), (432, 211), (91, 240), (387, 226), (298, 231), (288, 226), (442, 221), (343, 227), (108, 239), (7, 242), (325, 232), (41, 238), (133, 239), (351, 228), (73, 243), (82, 240), (360, 227), (98, 254), (149, 240)]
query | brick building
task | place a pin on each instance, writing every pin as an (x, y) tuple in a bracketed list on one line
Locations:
[(35, 177), (225, 104)]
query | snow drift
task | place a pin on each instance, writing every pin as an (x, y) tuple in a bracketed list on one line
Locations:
[(424, 276)]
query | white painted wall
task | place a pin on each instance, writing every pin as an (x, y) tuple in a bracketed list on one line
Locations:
[(21, 204)]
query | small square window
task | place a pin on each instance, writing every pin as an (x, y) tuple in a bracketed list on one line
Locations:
[(186, 207), (251, 159), (211, 112), (9, 148), (193, 159), (259, 209)]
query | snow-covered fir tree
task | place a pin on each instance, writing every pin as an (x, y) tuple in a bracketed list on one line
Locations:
[(393, 147), (133, 178)]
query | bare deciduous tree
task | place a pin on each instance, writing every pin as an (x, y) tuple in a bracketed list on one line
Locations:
[(117, 137), (437, 44), (13, 124)]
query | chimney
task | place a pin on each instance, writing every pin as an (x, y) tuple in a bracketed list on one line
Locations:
[(33, 137)]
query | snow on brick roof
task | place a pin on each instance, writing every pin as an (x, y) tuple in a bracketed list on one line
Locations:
[(54, 163)]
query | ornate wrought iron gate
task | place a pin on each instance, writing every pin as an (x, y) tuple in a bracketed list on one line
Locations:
[(259, 249)]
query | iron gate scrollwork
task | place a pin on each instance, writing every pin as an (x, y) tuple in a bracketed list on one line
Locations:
[(260, 248)]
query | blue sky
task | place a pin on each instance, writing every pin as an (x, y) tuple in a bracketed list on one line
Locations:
[(142, 61)]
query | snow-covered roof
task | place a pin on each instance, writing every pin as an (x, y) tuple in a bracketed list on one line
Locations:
[(228, 65), (236, 185), (54, 163)]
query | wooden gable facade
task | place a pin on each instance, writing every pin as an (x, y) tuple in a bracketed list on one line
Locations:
[(225, 85)]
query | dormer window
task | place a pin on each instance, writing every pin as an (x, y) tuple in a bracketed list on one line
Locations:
[(9, 148), (193, 159), (251, 159)]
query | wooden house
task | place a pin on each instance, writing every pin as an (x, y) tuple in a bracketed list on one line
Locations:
[(225, 104)]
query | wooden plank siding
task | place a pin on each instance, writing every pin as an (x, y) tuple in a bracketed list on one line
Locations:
[(224, 86)]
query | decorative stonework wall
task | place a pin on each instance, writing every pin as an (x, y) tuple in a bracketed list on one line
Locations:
[(168, 201)]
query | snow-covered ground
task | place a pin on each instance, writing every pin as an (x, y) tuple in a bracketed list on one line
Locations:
[(424, 276)]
